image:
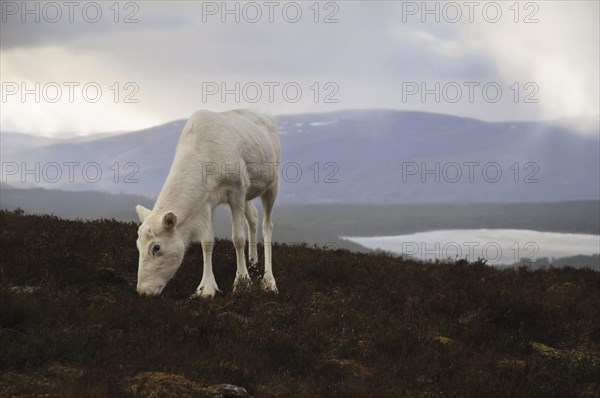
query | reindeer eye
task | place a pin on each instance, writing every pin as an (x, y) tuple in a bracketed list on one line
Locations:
[(155, 248)]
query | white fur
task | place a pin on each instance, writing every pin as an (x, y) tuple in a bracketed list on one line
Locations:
[(230, 157)]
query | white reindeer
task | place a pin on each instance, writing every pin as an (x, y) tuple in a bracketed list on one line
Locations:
[(230, 157)]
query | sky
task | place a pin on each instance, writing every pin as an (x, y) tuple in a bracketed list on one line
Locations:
[(94, 67)]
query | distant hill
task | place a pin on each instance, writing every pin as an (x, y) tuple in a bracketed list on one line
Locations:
[(94, 205), (69, 204), (580, 261), (358, 156), (323, 225)]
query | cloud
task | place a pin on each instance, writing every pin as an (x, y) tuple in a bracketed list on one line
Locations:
[(560, 53), (171, 52), (66, 91), (448, 48), (75, 24)]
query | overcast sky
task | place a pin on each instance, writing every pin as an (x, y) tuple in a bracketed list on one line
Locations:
[(172, 58)]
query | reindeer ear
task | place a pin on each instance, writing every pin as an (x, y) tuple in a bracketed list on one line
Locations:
[(169, 220), (142, 212)]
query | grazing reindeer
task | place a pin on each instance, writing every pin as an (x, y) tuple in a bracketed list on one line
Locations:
[(230, 157)]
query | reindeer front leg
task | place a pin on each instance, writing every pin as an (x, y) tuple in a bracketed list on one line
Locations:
[(208, 286)]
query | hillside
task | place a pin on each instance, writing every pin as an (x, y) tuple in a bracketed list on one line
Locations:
[(320, 162), (324, 224), (92, 205), (344, 324)]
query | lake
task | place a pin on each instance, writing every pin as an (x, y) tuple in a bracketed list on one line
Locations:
[(498, 246)]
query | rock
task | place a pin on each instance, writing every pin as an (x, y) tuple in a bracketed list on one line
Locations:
[(168, 385), (226, 391)]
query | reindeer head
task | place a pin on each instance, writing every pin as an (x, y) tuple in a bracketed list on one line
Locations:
[(161, 250)]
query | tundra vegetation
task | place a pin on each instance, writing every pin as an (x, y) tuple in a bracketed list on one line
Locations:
[(343, 324)]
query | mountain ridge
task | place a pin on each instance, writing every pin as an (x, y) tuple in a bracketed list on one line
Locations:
[(359, 156)]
